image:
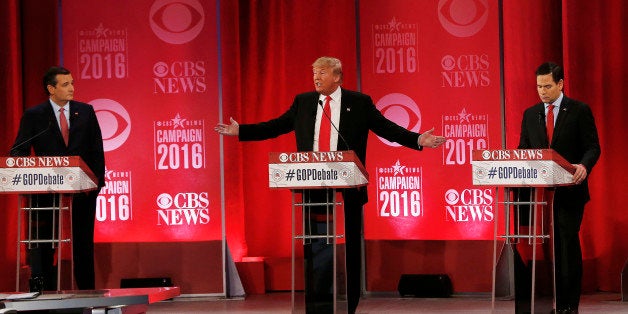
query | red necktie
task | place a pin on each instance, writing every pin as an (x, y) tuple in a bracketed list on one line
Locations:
[(65, 131), (549, 123), (325, 131)]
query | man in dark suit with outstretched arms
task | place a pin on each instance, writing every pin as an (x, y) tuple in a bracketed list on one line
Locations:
[(42, 130), (573, 135), (354, 115)]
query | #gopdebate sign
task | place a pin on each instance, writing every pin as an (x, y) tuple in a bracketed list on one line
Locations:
[(303, 170), (520, 167), (45, 174)]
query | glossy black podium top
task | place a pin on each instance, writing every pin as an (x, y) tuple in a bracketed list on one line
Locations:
[(80, 299)]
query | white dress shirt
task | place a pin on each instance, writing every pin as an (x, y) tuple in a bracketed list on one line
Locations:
[(335, 119)]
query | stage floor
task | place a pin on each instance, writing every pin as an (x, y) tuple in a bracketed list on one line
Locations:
[(607, 303)]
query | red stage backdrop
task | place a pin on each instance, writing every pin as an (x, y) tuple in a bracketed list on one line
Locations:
[(149, 68), (431, 64)]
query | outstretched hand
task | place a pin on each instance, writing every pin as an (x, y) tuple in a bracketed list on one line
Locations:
[(232, 129), (427, 139)]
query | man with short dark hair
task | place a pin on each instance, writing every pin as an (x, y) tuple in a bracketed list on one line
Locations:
[(61, 126), (566, 126)]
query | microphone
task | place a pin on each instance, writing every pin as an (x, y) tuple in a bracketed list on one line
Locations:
[(320, 103), (30, 138), (541, 118)]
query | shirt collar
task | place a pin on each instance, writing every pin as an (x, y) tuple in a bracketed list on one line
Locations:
[(335, 96), (556, 102), (56, 107)]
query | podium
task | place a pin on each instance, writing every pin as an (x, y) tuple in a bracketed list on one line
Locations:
[(55, 178), (527, 223), (315, 179)]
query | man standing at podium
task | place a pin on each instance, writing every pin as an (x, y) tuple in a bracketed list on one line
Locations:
[(566, 126), (61, 126), (330, 119)]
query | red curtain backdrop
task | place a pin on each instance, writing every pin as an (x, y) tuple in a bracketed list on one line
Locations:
[(28, 46), (594, 54), (588, 38), (267, 50), (266, 62), (10, 110)]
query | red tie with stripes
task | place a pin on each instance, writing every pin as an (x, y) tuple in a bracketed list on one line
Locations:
[(324, 133), (63, 122)]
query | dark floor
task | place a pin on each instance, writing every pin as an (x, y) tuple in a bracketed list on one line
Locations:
[(607, 303)]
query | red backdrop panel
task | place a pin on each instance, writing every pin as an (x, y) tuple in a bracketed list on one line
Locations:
[(150, 71), (431, 64)]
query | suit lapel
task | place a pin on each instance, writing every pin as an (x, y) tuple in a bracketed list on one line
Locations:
[(562, 116), (74, 115), (49, 111), (542, 126), (346, 102), (73, 121), (311, 107)]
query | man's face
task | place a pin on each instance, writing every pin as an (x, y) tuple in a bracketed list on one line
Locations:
[(325, 81), (548, 90), (63, 91)]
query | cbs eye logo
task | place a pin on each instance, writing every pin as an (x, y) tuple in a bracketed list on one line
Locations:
[(402, 110), (463, 18), (283, 157), (176, 21), (114, 121), (164, 201), (452, 197)]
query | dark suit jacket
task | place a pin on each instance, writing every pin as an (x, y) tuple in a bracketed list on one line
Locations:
[(575, 138), (85, 136), (358, 116)]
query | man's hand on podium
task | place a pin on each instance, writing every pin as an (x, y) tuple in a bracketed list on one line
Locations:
[(580, 174), (232, 129)]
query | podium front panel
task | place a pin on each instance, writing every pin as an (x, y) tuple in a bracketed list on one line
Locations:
[(315, 170), (520, 167), (45, 174)]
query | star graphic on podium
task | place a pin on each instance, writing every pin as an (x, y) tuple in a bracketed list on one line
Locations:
[(398, 168), (178, 121)]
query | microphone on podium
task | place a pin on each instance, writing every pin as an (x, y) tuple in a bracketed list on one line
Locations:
[(30, 138)]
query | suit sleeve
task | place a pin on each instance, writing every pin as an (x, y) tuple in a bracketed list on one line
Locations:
[(271, 128), (589, 139), (524, 139), (20, 146), (389, 130), (96, 152), (32, 126)]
